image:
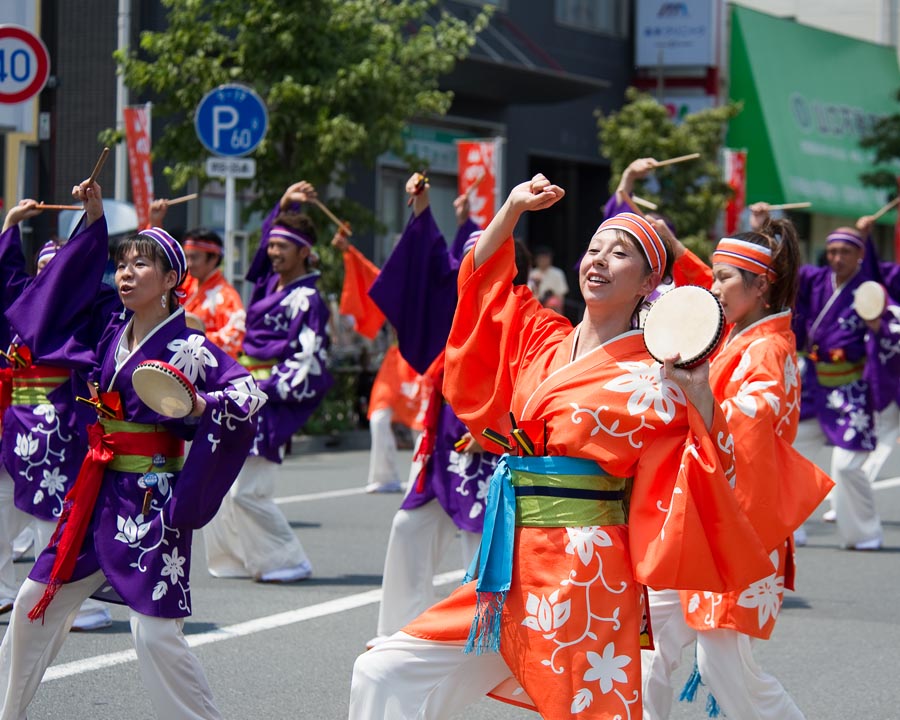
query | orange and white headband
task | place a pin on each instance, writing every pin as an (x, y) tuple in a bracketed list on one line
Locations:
[(203, 246), (746, 256), (642, 231)]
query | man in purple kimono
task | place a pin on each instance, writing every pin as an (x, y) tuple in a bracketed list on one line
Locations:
[(44, 430), (127, 525), (285, 349), (841, 358), (416, 290)]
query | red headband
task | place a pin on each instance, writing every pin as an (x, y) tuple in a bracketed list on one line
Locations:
[(746, 256), (203, 246)]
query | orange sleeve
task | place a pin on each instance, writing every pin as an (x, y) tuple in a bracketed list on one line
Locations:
[(691, 270), (359, 274), (497, 328), (685, 526), (776, 486)]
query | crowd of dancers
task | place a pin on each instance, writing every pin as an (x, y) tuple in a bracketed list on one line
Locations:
[(613, 509)]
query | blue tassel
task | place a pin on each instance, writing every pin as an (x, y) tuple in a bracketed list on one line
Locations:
[(712, 706), (484, 634), (689, 692)]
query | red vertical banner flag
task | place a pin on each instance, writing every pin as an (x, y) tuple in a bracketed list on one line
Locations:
[(477, 173), (137, 139), (736, 177)]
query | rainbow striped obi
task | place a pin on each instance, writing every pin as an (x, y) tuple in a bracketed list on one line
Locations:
[(534, 491)]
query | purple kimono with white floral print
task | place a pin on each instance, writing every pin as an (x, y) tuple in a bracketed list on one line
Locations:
[(827, 327), (146, 558), (44, 443), (416, 290)]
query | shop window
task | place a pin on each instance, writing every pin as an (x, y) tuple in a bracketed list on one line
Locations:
[(605, 16)]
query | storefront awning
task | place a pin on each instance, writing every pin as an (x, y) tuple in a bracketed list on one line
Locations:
[(809, 95)]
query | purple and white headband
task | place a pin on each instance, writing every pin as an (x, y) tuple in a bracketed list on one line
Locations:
[(290, 235), (170, 248)]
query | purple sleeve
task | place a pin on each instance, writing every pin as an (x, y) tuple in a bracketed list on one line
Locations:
[(62, 314), (614, 206), (416, 290), (13, 276), (462, 234), (223, 439)]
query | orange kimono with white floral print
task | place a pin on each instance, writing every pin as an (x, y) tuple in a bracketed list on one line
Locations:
[(220, 308), (755, 378), (570, 625)]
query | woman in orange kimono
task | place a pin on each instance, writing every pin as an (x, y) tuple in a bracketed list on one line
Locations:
[(754, 376), (616, 477)]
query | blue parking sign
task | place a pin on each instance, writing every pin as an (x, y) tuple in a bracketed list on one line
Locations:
[(231, 120)]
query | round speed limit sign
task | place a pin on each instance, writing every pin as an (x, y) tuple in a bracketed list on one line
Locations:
[(24, 64)]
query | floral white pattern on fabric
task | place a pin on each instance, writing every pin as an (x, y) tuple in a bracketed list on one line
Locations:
[(607, 668), (54, 482), (191, 357), (131, 531), (309, 360), (766, 594), (173, 565), (583, 540), (647, 388), (546, 615), (463, 469), (297, 301), (751, 395)]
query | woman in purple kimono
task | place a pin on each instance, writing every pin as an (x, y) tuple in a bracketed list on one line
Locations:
[(416, 290), (285, 349), (44, 430), (127, 525), (841, 358)]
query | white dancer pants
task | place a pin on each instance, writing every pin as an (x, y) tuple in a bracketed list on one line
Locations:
[(383, 466), (406, 678), (12, 522), (854, 501), (726, 664), (171, 672), (419, 539), (887, 428), (250, 536)]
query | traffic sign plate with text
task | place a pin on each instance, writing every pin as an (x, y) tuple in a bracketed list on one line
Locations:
[(231, 120)]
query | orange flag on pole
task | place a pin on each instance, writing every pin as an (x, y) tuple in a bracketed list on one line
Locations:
[(359, 274)]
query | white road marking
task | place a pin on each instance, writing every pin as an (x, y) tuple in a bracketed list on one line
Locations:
[(325, 495), (269, 622), (885, 484)]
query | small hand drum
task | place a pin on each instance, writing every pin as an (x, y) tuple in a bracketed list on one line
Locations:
[(869, 300), (687, 321), (194, 322), (164, 389)]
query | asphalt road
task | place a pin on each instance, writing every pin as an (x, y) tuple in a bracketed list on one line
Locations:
[(287, 651)]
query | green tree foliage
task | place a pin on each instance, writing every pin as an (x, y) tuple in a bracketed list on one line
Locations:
[(340, 79), (691, 193), (884, 140)]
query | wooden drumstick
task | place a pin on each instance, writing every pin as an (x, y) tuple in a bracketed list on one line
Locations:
[(343, 228), (44, 206), (101, 161), (474, 184), (790, 206), (646, 203), (420, 186), (680, 158), (887, 208), (629, 201), (183, 199)]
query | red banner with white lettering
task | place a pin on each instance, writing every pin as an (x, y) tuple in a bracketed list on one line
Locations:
[(137, 138), (736, 177), (477, 174)]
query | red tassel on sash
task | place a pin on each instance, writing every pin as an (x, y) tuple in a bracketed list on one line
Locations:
[(432, 415), (76, 515)]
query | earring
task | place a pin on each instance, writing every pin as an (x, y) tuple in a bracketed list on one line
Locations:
[(162, 300)]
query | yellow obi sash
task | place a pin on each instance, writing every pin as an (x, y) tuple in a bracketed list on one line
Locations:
[(554, 492), (840, 373), (259, 369), (31, 385), (141, 447)]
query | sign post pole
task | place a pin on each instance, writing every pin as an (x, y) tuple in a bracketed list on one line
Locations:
[(229, 227)]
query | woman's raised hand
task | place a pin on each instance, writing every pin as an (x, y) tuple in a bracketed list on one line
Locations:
[(90, 195), (17, 213), (299, 192), (535, 194)]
